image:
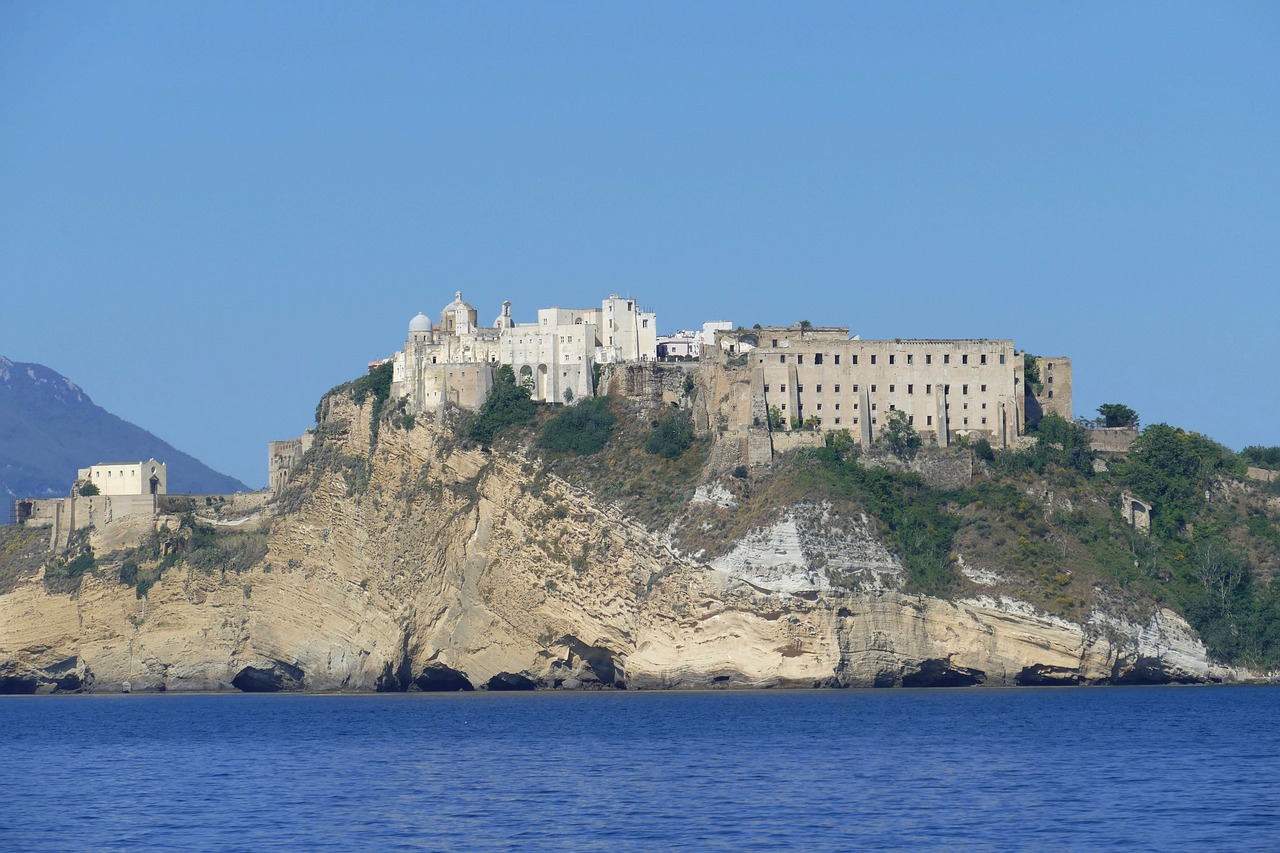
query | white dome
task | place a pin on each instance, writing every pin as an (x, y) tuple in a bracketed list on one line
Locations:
[(420, 323)]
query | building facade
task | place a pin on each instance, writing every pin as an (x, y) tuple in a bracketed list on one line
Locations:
[(821, 378), (127, 478), (454, 362)]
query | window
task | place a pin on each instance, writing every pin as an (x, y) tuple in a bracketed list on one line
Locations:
[(819, 389), (928, 420), (946, 389), (855, 421), (928, 358), (799, 358), (837, 422), (799, 389), (1051, 365), (1050, 393), (873, 420), (817, 358), (911, 419), (946, 359), (766, 389), (775, 343), (819, 407), (890, 389), (911, 389), (782, 388), (982, 359), (837, 389), (892, 407), (782, 359), (873, 408), (966, 421), (984, 389), (838, 359), (984, 406), (911, 359), (855, 360), (873, 359), (873, 389), (891, 358), (784, 407), (984, 421), (1002, 358), (855, 388), (964, 359), (837, 407), (855, 406), (644, 324), (964, 389), (966, 407), (928, 389), (1050, 380)]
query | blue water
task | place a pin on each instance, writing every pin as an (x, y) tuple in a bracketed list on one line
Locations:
[(1030, 769)]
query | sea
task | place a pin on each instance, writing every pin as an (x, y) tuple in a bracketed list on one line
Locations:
[(1135, 768)]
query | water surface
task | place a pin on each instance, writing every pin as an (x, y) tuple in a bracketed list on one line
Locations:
[(1032, 769)]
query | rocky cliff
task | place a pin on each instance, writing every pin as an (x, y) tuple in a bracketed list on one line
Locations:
[(427, 564)]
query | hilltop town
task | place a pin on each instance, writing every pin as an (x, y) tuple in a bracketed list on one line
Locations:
[(772, 380)]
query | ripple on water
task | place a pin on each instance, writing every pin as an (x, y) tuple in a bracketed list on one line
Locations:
[(1147, 768)]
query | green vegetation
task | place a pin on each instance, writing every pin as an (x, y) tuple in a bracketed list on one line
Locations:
[(1031, 373), (88, 489), (903, 441), (671, 436), (1062, 447), (582, 429), (1173, 469), (776, 421), (1117, 415), (507, 405), (912, 517), (1262, 457)]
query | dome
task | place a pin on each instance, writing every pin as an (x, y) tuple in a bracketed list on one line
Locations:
[(456, 304), (420, 323)]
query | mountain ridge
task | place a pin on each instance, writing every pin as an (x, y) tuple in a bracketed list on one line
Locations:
[(50, 428)]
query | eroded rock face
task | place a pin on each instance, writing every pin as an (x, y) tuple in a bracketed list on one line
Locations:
[(438, 678), (451, 565), (511, 681), (271, 679), (64, 676)]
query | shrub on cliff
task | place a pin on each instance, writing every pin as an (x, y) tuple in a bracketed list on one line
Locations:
[(508, 404), (582, 429), (672, 436)]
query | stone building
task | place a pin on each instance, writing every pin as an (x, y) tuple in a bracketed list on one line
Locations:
[(454, 362), (283, 457), (127, 478), (821, 378)]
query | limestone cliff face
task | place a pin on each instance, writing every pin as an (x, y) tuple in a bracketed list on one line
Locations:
[(451, 567)]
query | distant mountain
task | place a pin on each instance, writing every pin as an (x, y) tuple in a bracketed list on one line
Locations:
[(49, 429)]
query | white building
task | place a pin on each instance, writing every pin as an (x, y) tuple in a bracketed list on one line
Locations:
[(127, 478), (454, 361)]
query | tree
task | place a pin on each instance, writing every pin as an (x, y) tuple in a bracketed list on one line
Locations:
[(775, 418), (1031, 372), (507, 404), (1117, 415), (902, 438), (672, 437), (582, 429), (805, 324), (88, 489)]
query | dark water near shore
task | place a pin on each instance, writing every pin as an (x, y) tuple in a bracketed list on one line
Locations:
[(1064, 769)]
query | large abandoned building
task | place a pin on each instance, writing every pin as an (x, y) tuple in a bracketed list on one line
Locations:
[(821, 379)]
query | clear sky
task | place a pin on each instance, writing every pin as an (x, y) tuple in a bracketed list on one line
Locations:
[(211, 213)]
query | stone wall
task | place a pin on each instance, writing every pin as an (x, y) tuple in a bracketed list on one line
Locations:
[(1112, 439)]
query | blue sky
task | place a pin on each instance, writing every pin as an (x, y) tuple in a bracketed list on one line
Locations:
[(210, 213)]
